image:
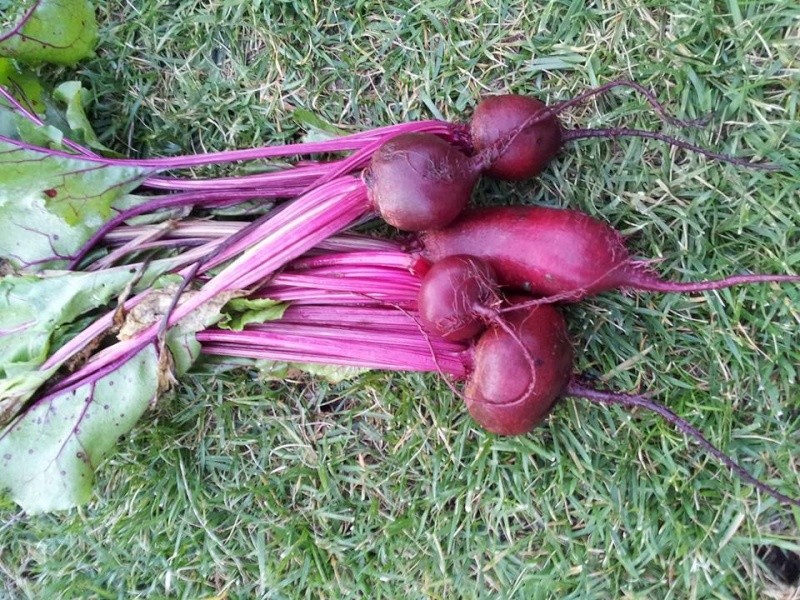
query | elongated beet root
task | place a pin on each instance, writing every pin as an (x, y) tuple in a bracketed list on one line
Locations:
[(456, 297), (506, 393), (561, 253), (418, 181), (544, 250), (496, 117)]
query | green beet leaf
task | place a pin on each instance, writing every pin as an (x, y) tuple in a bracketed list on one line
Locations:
[(317, 129), (23, 84), (35, 311), (15, 126), (271, 370), (49, 454), (73, 96), (54, 31), (50, 205), (240, 312), (34, 307), (61, 110)]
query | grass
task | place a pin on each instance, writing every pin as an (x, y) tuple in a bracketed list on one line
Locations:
[(382, 487)]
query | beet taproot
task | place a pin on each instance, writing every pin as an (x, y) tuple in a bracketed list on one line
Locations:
[(563, 254), (419, 181), (457, 296)]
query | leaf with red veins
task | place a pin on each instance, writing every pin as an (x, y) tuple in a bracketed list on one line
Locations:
[(37, 310), (54, 31), (51, 203), (49, 454)]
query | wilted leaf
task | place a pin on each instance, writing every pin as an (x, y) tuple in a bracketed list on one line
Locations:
[(181, 340), (55, 31), (35, 311), (242, 311)]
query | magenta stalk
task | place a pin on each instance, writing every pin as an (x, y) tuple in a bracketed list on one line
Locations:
[(294, 230)]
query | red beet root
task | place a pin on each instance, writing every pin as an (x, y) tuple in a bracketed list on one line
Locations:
[(418, 181), (516, 136), (522, 367), (507, 393), (457, 296), (497, 117), (564, 254)]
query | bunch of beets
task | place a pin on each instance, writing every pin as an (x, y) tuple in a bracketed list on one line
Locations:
[(470, 293)]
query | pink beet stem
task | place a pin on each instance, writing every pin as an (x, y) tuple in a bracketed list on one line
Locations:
[(374, 342), (282, 183), (345, 143), (164, 202), (273, 243)]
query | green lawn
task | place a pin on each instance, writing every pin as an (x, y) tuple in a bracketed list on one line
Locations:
[(382, 487)]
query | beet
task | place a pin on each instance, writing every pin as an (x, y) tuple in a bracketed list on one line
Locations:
[(519, 370), (496, 118), (419, 181), (562, 254), (457, 296), (514, 137), (522, 366)]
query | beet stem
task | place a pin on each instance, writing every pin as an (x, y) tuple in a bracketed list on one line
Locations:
[(615, 132), (164, 202), (577, 389), (187, 278)]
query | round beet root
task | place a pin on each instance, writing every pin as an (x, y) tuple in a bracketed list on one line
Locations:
[(418, 181), (515, 136), (456, 297), (508, 156), (512, 388)]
